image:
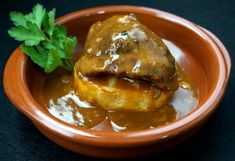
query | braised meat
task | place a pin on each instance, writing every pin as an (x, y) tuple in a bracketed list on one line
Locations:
[(124, 47)]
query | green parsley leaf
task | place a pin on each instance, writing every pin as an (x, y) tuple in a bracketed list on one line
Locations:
[(45, 42), (53, 61), (18, 19), (48, 22), (59, 31), (31, 34), (37, 15), (69, 44), (35, 55)]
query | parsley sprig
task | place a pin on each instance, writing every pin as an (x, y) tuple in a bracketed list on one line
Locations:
[(45, 42)]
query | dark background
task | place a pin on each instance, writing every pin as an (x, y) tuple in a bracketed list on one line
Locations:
[(21, 141)]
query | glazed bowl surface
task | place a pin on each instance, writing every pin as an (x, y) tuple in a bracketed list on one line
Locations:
[(200, 53)]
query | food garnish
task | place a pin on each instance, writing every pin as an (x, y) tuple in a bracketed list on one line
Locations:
[(44, 41)]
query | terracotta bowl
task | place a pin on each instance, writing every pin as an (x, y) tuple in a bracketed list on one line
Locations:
[(203, 56)]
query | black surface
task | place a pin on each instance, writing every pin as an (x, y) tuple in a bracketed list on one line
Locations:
[(21, 141)]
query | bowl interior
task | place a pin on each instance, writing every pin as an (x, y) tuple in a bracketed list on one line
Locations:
[(195, 55)]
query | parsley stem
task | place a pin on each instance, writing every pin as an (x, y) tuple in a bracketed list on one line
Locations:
[(67, 64), (66, 67)]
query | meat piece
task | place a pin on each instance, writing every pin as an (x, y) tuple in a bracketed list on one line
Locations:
[(122, 46)]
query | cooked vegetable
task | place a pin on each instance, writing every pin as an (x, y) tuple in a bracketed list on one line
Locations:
[(120, 94), (45, 42)]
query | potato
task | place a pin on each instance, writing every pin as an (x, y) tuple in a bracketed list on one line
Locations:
[(108, 95)]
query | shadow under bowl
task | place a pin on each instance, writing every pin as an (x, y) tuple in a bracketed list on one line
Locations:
[(204, 58)]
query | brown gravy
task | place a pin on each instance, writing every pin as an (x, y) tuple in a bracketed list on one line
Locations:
[(62, 102)]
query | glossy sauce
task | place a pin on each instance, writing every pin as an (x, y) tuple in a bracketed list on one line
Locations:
[(65, 105)]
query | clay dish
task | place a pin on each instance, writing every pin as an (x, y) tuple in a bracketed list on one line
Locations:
[(203, 56)]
